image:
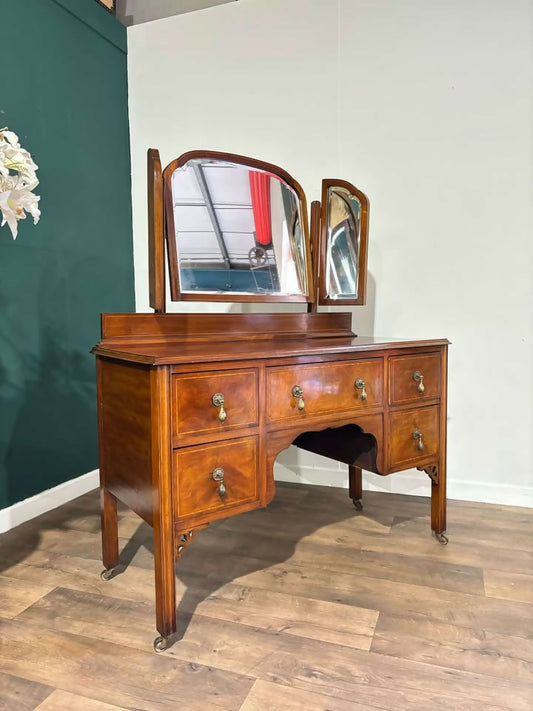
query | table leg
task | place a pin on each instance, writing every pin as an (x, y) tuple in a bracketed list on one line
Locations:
[(355, 479), (438, 503), (109, 533), (165, 585)]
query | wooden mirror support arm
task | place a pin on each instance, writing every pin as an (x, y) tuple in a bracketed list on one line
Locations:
[(156, 233), (315, 250)]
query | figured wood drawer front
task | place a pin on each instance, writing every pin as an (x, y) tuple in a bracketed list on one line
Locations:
[(193, 408), (215, 476), (415, 378), (325, 387), (414, 435)]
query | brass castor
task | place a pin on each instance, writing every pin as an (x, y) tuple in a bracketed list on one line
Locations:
[(108, 574), (441, 538), (160, 644), (358, 504)]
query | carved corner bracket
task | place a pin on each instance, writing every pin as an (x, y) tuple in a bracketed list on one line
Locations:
[(432, 471), (186, 537)]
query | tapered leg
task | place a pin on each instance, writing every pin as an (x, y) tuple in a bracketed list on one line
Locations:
[(165, 586), (355, 482), (438, 504), (437, 474), (163, 515), (109, 530)]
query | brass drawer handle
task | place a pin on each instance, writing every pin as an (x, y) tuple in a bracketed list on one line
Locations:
[(218, 476), (298, 393), (361, 385), (218, 401), (418, 436), (419, 378)]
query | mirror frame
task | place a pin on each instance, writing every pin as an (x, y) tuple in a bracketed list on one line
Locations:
[(169, 228), (323, 298)]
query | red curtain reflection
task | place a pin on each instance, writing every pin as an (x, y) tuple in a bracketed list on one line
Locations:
[(260, 192)]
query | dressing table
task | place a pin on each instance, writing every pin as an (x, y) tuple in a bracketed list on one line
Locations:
[(193, 409)]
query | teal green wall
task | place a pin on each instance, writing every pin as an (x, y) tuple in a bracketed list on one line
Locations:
[(63, 90)]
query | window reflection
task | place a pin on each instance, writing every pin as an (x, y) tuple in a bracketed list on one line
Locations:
[(237, 230), (343, 243)]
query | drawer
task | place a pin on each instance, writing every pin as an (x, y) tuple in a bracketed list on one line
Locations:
[(192, 401), (413, 436), (199, 473), (326, 387), (415, 378)]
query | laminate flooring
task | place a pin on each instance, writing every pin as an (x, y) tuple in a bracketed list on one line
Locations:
[(306, 605)]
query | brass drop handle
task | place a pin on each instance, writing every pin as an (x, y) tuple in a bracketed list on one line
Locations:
[(419, 378), (298, 393), (218, 401), (361, 385), (218, 476), (418, 436)]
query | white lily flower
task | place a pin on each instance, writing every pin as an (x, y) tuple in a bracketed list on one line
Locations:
[(17, 180), (10, 213), (10, 137)]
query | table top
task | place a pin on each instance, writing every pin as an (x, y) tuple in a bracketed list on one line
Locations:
[(178, 350)]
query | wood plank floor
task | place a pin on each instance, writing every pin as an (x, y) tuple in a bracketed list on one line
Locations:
[(307, 605)]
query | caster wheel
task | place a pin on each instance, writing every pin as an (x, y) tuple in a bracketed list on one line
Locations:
[(107, 574), (441, 538), (160, 644), (358, 504)]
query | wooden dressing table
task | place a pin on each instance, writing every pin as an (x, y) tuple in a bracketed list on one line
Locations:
[(194, 408)]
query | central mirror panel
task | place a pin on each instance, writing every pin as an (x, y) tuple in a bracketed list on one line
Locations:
[(236, 230)]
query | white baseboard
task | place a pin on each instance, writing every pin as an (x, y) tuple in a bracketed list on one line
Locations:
[(409, 482), (47, 500)]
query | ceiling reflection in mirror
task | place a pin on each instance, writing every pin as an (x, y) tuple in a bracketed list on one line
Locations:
[(238, 230), (343, 243)]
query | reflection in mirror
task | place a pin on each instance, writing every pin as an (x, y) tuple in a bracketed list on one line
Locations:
[(238, 230), (343, 242)]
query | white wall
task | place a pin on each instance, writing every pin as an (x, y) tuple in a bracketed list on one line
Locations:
[(426, 106)]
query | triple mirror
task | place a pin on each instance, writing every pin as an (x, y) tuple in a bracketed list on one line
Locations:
[(237, 230)]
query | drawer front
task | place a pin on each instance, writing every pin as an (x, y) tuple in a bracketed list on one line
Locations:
[(415, 378), (413, 436), (326, 387), (192, 401), (215, 476)]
